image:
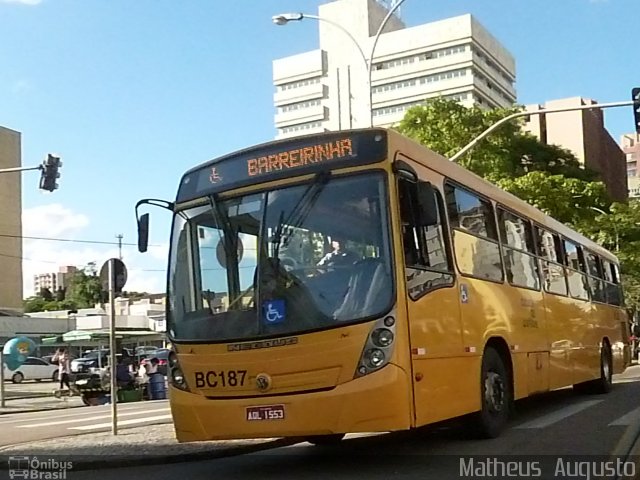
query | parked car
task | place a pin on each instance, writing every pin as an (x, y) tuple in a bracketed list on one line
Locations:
[(32, 369), (146, 350), (162, 354), (92, 359)]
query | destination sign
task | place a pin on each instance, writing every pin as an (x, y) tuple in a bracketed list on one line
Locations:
[(282, 159)]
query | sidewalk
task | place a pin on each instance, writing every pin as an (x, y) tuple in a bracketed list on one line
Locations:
[(36, 404), (137, 446)]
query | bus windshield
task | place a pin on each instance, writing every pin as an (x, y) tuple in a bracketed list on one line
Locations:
[(302, 258)]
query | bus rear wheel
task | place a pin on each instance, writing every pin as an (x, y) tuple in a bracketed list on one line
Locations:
[(495, 391), (605, 382), (325, 440)]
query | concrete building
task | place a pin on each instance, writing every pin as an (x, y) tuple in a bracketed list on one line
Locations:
[(327, 88), (53, 281), (630, 144), (583, 133), (10, 222)]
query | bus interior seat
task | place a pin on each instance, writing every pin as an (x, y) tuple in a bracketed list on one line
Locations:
[(366, 283)]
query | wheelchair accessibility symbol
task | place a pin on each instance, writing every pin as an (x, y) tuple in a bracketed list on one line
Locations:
[(273, 311)]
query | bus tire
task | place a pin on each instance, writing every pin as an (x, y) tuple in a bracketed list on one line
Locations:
[(495, 396), (605, 382), (325, 440)]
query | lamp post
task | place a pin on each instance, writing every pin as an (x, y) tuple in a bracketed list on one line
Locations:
[(615, 226), (284, 18)]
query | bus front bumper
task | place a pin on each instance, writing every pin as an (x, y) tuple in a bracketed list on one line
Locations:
[(378, 402)]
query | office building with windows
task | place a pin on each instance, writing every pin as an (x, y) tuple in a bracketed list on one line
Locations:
[(328, 88), (583, 132), (53, 280), (630, 144), (10, 222)]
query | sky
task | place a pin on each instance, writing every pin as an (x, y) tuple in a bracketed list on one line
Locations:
[(130, 94)]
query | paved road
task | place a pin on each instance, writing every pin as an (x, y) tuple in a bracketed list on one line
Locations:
[(25, 427), (559, 423), (28, 389)]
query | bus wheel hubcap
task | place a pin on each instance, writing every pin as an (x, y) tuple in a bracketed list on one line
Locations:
[(494, 392)]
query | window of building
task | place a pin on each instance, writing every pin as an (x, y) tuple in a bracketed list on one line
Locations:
[(299, 106), (298, 84), (301, 127)]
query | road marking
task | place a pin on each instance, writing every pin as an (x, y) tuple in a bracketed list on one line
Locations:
[(629, 418), (95, 417), (124, 422), (75, 412), (559, 415)]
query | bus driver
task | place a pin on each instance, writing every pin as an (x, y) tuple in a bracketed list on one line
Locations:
[(338, 256)]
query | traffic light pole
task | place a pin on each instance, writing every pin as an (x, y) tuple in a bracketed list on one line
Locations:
[(493, 127), (19, 169)]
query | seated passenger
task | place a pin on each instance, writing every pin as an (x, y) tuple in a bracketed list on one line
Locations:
[(338, 257)]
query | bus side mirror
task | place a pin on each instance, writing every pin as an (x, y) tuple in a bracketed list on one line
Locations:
[(143, 233), (427, 214)]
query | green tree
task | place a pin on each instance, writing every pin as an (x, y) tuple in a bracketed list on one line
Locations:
[(34, 304), (618, 230), (46, 294), (39, 304), (85, 288), (568, 200), (547, 176)]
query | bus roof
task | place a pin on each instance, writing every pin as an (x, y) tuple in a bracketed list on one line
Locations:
[(423, 155)]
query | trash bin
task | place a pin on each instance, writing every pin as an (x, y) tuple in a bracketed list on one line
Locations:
[(126, 396), (157, 387)]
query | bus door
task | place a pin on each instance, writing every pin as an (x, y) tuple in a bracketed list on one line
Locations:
[(433, 308)]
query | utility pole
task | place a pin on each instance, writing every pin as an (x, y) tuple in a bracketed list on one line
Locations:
[(119, 237)]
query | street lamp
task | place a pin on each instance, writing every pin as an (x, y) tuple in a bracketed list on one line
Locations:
[(615, 226), (284, 18)]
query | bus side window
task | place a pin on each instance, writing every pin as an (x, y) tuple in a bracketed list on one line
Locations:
[(576, 271), (594, 269), (474, 233), (550, 252), (427, 261), (612, 283)]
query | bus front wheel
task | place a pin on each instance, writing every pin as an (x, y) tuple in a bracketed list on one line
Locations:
[(495, 390)]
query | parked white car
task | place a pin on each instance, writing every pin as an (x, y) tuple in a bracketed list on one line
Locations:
[(32, 369)]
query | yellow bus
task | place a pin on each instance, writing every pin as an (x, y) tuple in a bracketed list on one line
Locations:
[(356, 281)]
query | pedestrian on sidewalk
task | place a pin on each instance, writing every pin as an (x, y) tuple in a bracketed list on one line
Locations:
[(64, 367)]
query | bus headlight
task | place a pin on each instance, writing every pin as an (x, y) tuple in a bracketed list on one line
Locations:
[(378, 348), (176, 376), (382, 337), (374, 357)]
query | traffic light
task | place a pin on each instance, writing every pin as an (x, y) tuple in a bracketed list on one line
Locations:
[(50, 174), (635, 96)]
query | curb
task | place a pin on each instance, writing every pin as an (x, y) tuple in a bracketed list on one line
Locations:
[(107, 462)]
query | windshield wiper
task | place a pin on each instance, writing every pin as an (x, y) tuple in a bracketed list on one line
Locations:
[(299, 213)]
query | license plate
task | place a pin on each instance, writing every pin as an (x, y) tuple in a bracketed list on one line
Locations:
[(265, 412)]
